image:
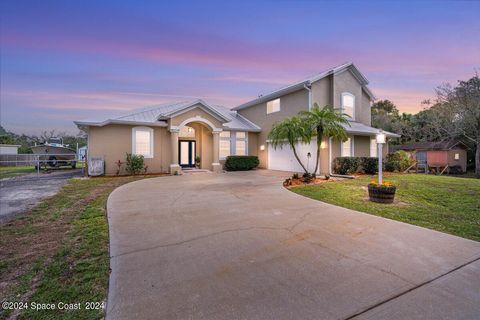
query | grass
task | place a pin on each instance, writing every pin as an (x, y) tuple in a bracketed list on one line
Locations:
[(446, 204), (6, 172), (58, 252)]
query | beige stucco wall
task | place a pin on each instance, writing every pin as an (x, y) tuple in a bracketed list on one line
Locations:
[(322, 93), (461, 162), (290, 105), (112, 142), (346, 82)]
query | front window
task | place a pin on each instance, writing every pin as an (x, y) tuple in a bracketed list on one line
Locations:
[(240, 143), (142, 141), (348, 104), (233, 143), (373, 148), (273, 106), (224, 144), (347, 148)]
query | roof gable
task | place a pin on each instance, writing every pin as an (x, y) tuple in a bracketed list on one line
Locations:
[(308, 82), (191, 106)]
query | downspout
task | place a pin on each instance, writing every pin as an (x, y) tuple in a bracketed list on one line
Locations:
[(308, 87)]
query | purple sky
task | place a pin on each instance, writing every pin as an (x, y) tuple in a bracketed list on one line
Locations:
[(71, 60)]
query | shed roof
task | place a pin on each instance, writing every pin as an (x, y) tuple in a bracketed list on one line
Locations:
[(435, 145)]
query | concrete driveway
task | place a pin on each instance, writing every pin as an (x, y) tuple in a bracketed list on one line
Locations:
[(240, 246)]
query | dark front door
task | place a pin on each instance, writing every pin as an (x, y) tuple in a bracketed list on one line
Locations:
[(186, 153)]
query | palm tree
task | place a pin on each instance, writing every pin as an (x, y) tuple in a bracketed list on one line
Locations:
[(325, 122), (291, 130)]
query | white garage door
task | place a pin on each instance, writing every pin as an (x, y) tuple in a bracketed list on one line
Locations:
[(283, 158)]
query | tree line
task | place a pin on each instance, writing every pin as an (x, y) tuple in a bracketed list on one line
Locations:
[(27, 141)]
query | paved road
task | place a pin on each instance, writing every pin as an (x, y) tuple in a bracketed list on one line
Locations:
[(18, 194), (239, 246)]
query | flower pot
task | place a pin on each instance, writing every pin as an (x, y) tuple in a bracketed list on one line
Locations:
[(381, 194)]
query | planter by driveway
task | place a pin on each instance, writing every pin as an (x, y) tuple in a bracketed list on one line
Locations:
[(240, 246)]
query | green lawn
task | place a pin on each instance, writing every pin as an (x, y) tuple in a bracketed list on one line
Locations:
[(446, 204), (6, 172), (58, 252)]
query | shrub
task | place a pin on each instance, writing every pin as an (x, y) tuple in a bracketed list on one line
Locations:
[(346, 165), (391, 166), (403, 159), (241, 163), (134, 163), (369, 164), (295, 176)]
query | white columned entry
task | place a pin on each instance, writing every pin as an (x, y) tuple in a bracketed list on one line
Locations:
[(174, 166), (216, 166)]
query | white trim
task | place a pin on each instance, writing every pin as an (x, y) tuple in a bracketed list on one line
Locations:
[(354, 103), (134, 142), (372, 139), (114, 121)]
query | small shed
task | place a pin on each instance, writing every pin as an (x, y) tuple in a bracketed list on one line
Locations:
[(444, 155), (9, 148)]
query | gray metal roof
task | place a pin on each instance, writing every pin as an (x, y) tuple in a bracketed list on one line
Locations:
[(307, 82), (362, 129), (154, 115)]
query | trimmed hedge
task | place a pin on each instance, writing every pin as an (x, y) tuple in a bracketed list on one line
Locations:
[(241, 163), (369, 165), (346, 165), (349, 165)]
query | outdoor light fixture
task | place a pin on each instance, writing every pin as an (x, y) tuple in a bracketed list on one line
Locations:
[(189, 129), (323, 145), (380, 141), (262, 147)]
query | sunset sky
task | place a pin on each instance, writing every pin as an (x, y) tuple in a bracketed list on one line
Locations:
[(72, 60)]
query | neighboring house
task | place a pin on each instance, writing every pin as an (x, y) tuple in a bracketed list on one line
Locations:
[(170, 136), (9, 148), (438, 155)]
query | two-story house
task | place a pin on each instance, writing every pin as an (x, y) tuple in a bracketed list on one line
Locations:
[(171, 136)]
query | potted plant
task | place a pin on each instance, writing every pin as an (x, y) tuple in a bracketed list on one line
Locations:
[(197, 162), (381, 193)]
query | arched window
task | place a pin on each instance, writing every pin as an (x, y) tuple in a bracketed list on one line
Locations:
[(348, 104), (142, 141)]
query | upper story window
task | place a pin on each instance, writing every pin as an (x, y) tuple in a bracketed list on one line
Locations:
[(273, 106), (348, 104), (347, 148), (142, 141)]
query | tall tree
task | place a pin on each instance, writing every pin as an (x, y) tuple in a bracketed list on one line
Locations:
[(459, 107), (325, 122)]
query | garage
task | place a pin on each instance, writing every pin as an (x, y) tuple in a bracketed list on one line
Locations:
[(283, 158)]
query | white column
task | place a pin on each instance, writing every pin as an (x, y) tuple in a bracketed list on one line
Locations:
[(174, 166), (216, 166)]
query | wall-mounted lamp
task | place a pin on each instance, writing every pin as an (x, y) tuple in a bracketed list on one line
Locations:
[(189, 129), (323, 145), (262, 147)]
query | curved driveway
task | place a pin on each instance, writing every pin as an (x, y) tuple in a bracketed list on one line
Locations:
[(240, 246)]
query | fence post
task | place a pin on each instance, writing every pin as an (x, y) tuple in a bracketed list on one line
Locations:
[(38, 165)]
